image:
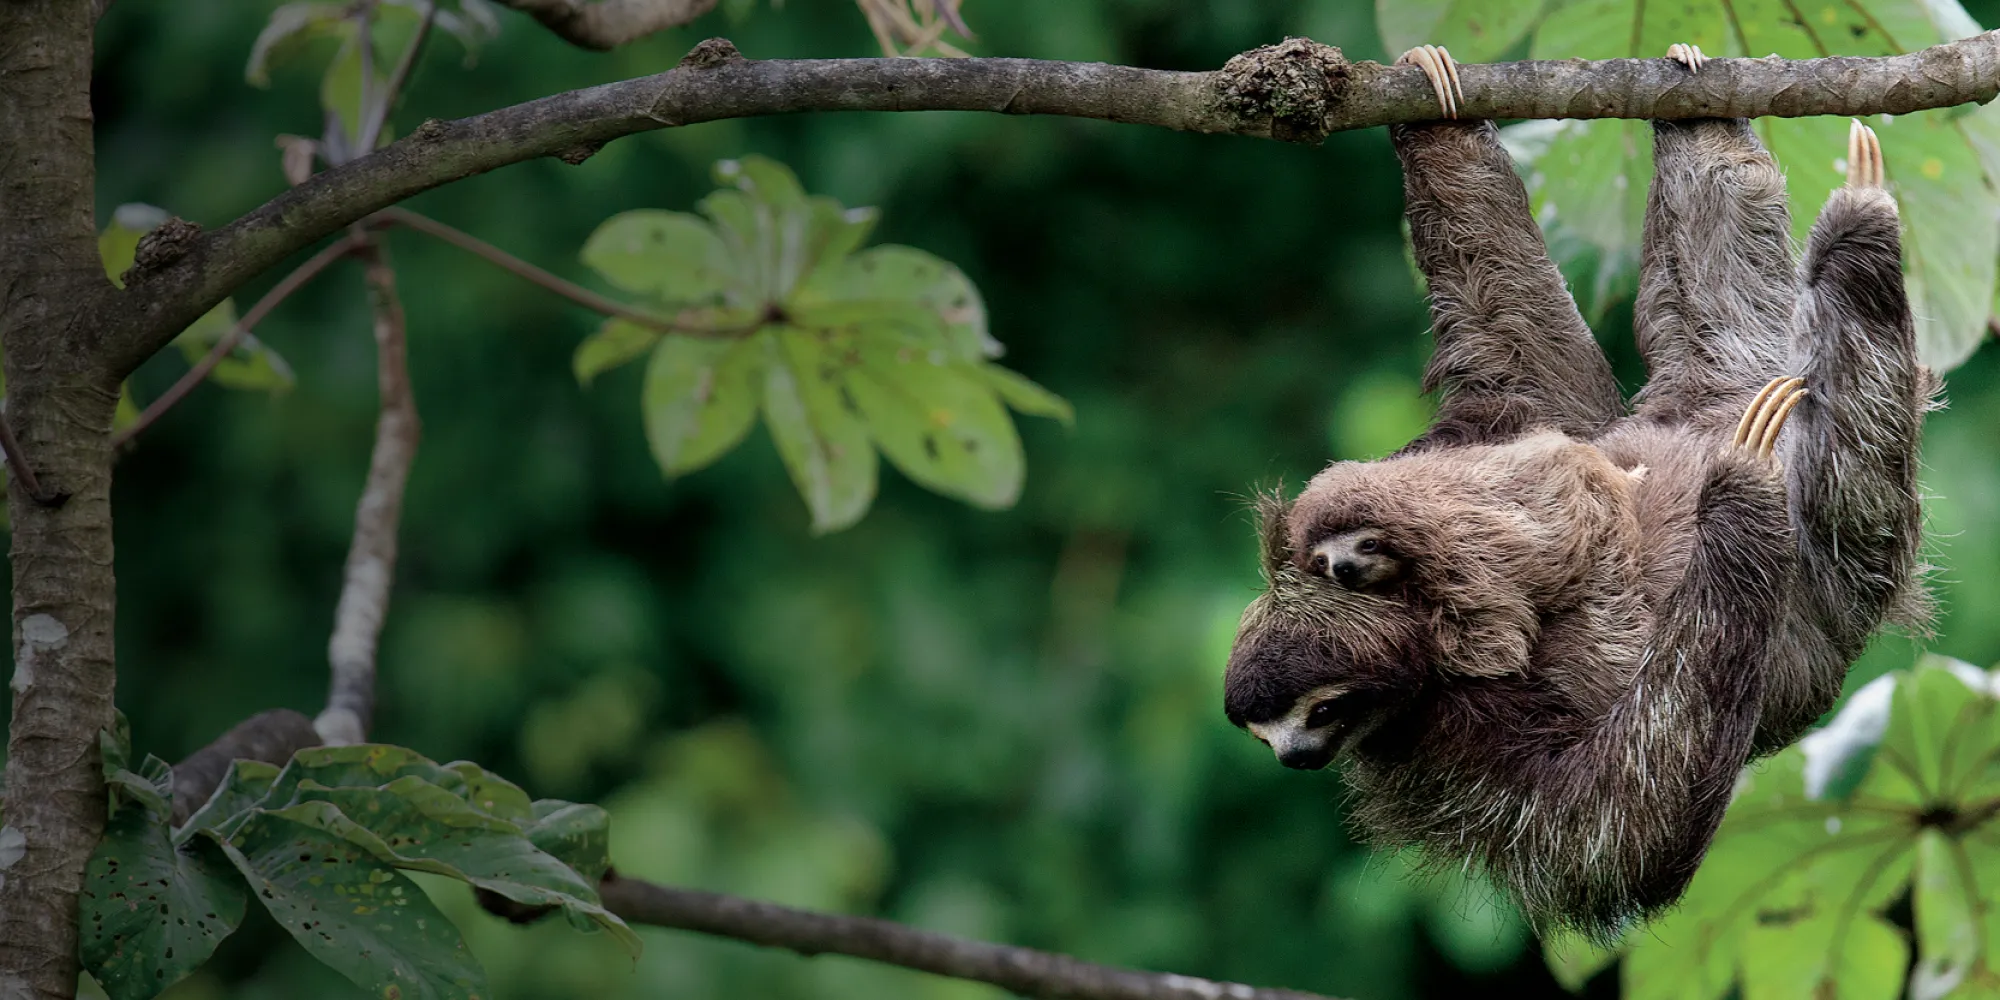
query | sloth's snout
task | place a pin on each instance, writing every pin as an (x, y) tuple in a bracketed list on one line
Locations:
[(1306, 758)]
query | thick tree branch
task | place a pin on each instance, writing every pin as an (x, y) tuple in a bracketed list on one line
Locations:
[(606, 24), (371, 558), (272, 737), (1297, 91), (1024, 971)]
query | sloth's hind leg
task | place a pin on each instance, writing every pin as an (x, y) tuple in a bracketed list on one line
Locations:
[(1851, 458), (1716, 279)]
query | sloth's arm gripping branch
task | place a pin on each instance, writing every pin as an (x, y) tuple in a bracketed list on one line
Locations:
[(1297, 91)]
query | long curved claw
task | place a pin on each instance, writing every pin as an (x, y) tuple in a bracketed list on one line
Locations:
[(1765, 416), (1442, 71), (1864, 157), (1687, 55)]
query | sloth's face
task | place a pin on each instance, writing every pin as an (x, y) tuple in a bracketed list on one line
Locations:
[(1363, 559)]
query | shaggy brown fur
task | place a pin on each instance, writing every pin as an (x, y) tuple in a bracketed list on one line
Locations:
[(1605, 613)]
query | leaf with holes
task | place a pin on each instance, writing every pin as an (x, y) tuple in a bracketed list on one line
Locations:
[(894, 277), (671, 257), (413, 824), (940, 424), (824, 444), (152, 911), (243, 787), (700, 397), (354, 912)]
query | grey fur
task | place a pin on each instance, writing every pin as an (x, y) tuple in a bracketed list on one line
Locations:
[(1605, 613)]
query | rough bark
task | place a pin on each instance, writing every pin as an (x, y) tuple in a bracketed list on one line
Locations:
[(607, 24), (60, 400), (1296, 91)]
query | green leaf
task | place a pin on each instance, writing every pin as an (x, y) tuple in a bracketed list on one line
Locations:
[(354, 912), (673, 257), (900, 275), (1947, 908), (699, 398), (1025, 396), (414, 824), (119, 242), (779, 237), (824, 444), (1589, 179), (578, 835), (1574, 960), (243, 787), (1474, 30), (340, 93), (251, 364), (942, 425), (1838, 755), (289, 28), (615, 343), (488, 792), (126, 415), (151, 910)]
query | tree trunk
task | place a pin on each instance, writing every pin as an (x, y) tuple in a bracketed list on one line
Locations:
[(60, 400)]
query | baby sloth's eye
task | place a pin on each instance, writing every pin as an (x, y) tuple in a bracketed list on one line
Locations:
[(1317, 565), (1321, 714), (1367, 546)]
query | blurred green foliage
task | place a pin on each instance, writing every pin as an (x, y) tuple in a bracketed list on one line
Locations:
[(1004, 725)]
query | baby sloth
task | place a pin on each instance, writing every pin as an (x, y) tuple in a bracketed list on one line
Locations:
[(1546, 636), (1358, 560)]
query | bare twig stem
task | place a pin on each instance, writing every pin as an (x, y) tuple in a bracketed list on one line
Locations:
[(606, 24), (378, 115), (18, 467), (227, 342), (522, 269), (1031, 973), (371, 558)]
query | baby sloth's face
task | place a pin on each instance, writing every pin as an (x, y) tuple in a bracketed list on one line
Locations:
[(1359, 560)]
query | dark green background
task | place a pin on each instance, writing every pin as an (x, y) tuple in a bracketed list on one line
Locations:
[(1005, 725)]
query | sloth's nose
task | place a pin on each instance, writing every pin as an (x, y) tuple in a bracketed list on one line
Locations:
[(1345, 571), (1305, 758)]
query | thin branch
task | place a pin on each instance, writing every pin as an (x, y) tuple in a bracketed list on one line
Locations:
[(18, 467), (378, 116), (228, 341), (1318, 91), (603, 25), (1043, 974), (371, 558), (522, 269)]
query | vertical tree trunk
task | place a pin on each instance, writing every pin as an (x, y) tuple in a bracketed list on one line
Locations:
[(60, 400)]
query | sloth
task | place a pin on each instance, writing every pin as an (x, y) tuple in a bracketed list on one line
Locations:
[(1602, 612), (1360, 559)]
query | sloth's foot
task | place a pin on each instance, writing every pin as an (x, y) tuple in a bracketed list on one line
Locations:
[(1864, 157), (1687, 55), (1442, 71), (1758, 430)]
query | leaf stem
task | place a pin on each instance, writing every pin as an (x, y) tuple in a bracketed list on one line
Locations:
[(534, 275), (378, 116), (228, 341)]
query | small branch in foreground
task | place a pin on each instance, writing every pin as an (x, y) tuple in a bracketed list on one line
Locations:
[(371, 558), (18, 467), (602, 25), (528, 272), (1025, 971), (378, 116), (228, 341)]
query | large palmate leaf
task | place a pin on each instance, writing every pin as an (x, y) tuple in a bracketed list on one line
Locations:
[(152, 910), (1588, 180), (766, 304), (1474, 30), (1899, 795)]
